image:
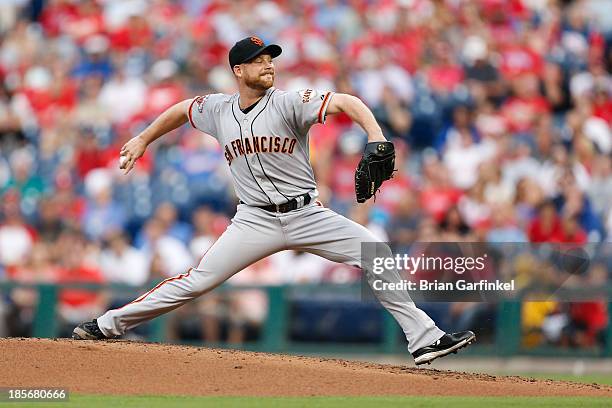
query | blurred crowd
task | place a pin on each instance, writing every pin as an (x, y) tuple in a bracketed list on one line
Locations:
[(500, 110)]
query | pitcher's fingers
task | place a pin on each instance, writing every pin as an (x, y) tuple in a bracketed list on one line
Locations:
[(129, 164), (133, 161)]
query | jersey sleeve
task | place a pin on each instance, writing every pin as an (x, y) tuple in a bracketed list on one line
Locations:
[(200, 113), (308, 106)]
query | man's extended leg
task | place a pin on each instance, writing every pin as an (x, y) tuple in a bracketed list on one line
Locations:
[(323, 232), (252, 235)]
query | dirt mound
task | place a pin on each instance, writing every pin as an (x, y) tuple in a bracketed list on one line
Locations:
[(122, 367)]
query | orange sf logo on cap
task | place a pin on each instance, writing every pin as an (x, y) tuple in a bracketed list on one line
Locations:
[(257, 41)]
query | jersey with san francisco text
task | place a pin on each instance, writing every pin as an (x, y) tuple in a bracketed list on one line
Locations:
[(267, 149)]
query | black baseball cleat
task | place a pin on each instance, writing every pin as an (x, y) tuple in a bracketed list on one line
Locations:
[(88, 331), (449, 343)]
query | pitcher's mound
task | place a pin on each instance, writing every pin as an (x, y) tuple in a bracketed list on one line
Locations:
[(122, 367)]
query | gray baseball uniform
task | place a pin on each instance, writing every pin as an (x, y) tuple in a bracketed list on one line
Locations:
[(267, 152)]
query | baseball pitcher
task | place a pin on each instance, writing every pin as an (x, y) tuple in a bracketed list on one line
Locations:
[(263, 132)]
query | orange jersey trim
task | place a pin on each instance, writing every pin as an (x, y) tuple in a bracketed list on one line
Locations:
[(160, 284), (189, 113), (323, 107)]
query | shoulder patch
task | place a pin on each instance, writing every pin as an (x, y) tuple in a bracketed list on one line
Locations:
[(307, 95), (200, 101)]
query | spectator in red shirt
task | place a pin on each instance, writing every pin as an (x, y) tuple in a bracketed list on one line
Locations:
[(37, 268), (588, 321), (406, 42), (50, 93), (212, 52), (87, 21), (602, 102), (56, 13), (524, 108), (517, 59), (166, 90), (437, 194), (76, 304), (136, 32), (545, 227), (89, 155), (71, 205), (444, 74), (570, 232)]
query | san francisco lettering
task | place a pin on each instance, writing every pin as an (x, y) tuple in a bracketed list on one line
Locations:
[(258, 144)]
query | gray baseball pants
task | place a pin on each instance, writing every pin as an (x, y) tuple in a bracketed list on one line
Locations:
[(254, 234)]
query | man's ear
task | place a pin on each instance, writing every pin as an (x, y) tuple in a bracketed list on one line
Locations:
[(237, 71)]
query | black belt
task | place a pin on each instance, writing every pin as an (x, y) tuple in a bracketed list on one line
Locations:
[(293, 204)]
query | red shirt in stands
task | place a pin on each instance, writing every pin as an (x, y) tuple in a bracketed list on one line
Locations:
[(436, 201), (80, 274), (88, 21), (160, 97), (603, 110), (521, 113), (592, 315), (135, 33), (390, 196), (89, 158), (55, 14), (578, 237), (343, 177), (518, 60), (444, 78), (541, 232), (45, 103)]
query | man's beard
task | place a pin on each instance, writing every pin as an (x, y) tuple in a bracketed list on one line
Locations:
[(259, 83)]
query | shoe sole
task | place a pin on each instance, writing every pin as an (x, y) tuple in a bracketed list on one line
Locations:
[(80, 334), (429, 357)]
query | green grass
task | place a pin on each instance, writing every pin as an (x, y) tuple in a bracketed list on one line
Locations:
[(92, 401), (587, 378)]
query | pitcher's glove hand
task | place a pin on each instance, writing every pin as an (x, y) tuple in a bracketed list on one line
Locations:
[(376, 166)]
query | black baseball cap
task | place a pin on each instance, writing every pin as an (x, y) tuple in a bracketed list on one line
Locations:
[(249, 48)]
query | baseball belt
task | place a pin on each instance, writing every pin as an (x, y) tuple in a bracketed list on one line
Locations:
[(293, 204)]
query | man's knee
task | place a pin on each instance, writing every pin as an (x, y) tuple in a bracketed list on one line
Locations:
[(375, 257), (204, 281)]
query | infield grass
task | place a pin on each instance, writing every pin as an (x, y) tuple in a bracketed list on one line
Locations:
[(98, 401), (605, 379)]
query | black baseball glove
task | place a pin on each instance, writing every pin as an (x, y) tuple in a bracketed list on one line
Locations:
[(376, 166)]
